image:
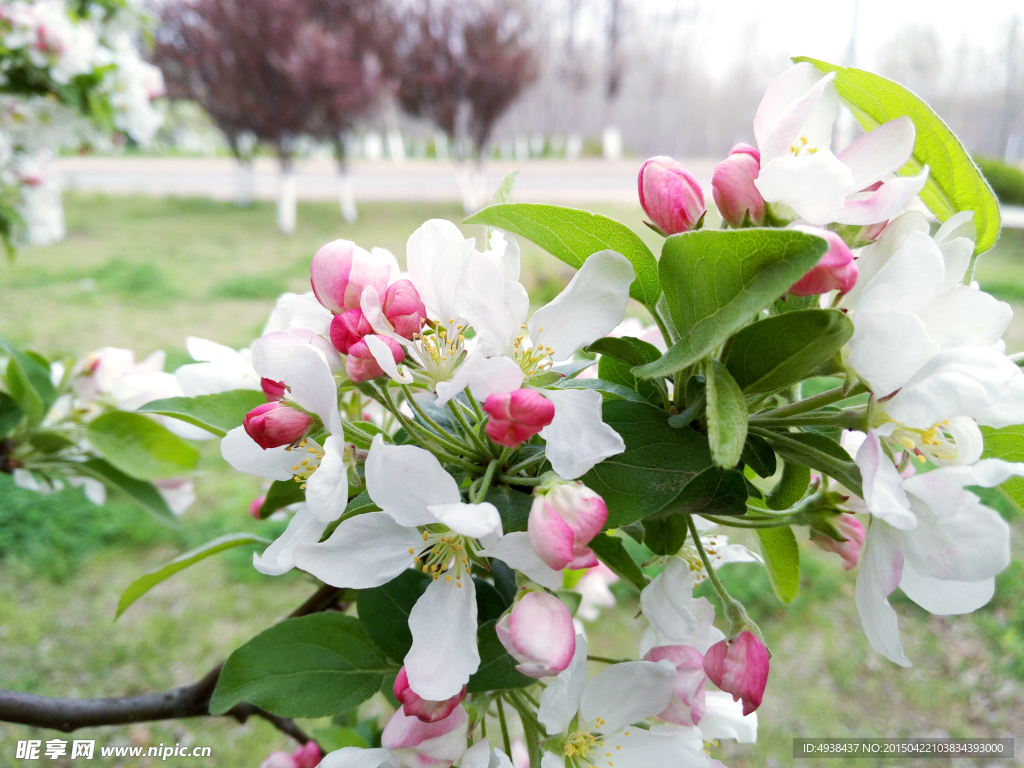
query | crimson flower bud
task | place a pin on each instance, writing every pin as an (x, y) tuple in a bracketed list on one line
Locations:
[(274, 390), (276, 424), (348, 328), (256, 505), (563, 520), (732, 186), (836, 270), (739, 666), (424, 710), (404, 309), (362, 366), (849, 550), (517, 416), (670, 195), (341, 270), (539, 634)]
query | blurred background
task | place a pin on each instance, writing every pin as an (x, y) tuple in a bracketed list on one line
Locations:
[(290, 123)]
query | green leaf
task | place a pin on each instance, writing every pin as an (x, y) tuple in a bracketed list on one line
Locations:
[(759, 456), (312, 666), (497, 670), (657, 463), (218, 413), (727, 416), (609, 390), (778, 351), (571, 599), (281, 494), (628, 349), (490, 603), (144, 583), (781, 560), (141, 492), (10, 414), (503, 194), (140, 447), (513, 506), (335, 737), (954, 182), (715, 491), (384, 611), (666, 535), (573, 236), (1007, 444), (28, 383), (818, 452), (792, 486), (610, 551), (716, 281)]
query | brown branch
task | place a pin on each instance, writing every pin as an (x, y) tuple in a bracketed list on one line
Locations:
[(189, 701)]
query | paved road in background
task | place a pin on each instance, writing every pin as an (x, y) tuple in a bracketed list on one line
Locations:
[(581, 182)]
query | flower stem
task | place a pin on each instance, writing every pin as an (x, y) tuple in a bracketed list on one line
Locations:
[(504, 727), (525, 464), (851, 418), (511, 480), (605, 659), (471, 433), (448, 446), (811, 403), (727, 600), (485, 484)]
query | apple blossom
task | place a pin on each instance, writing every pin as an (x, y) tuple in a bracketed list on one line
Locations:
[(518, 416), (362, 363), (849, 550), (835, 271), (217, 369), (306, 756), (732, 186), (538, 633), (670, 195), (403, 308), (341, 270), (256, 505), (275, 424), (739, 666), (411, 743), (564, 517), (416, 706), (686, 707)]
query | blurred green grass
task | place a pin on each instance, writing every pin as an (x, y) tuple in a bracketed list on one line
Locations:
[(144, 274)]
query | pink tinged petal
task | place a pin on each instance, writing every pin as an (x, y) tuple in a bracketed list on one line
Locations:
[(943, 597), (420, 708), (327, 488), (256, 505), (273, 425), (411, 743), (373, 356), (515, 550), (884, 203), (348, 328), (560, 701), (732, 185), (355, 757), (582, 557), (403, 480), (880, 153), (517, 416), (883, 486), (785, 105), (815, 186), (739, 666), (550, 536), (849, 550), (329, 274), (687, 704), (308, 755), (278, 558), (539, 634), (444, 651), (627, 692), (670, 195), (246, 455), (591, 305), (363, 552), (274, 390), (835, 271), (404, 309), (577, 438), (312, 386), (881, 567), (724, 719), (278, 760)]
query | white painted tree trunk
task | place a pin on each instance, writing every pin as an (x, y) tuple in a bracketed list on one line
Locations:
[(245, 183), (286, 212), (347, 198), (43, 211), (472, 182)]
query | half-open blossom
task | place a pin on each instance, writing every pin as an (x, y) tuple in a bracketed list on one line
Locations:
[(538, 633), (849, 550), (412, 743), (835, 271), (275, 424), (670, 195), (403, 308), (416, 706), (732, 185), (739, 666), (517, 416), (686, 706), (362, 365), (563, 519), (341, 270), (274, 390), (348, 328)]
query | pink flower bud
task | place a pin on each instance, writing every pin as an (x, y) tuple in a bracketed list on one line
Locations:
[(274, 390), (341, 270), (562, 522), (426, 711), (411, 743), (732, 186), (518, 416), (837, 269), (404, 309), (687, 704), (275, 424), (308, 755), (348, 328), (539, 634), (256, 505), (670, 195), (739, 666), (520, 754), (848, 550), (361, 365)]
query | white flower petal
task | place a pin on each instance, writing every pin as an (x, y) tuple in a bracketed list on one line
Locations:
[(591, 305), (493, 375), (962, 316), (800, 97), (364, 551), (386, 360), (271, 353), (577, 438), (299, 311), (515, 551), (444, 652), (723, 719), (477, 756), (312, 386), (278, 558), (880, 153), (945, 598), (242, 452), (660, 747), (327, 488), (888, 348), (436, 255), (560, 701), (873, 257), (815, 186), (676, 616), (478, 521), (355, 757), (881, 566), (551, 760), (884, 203), (623, 693), (883, 486), (403, 480), (482, 298)]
